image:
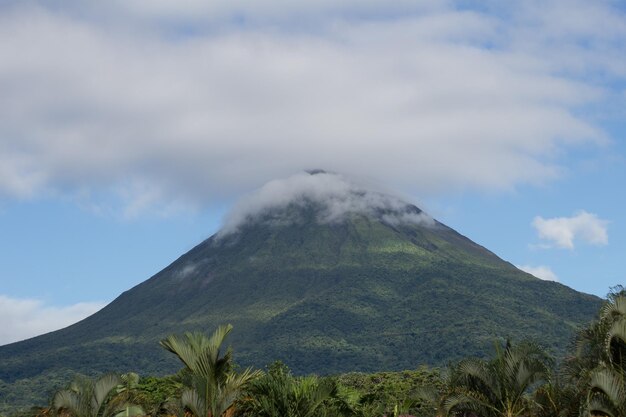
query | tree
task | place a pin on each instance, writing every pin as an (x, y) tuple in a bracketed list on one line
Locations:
[(278, 393), (127, 398), (160, 395), (211, 383), (86, 398), (591, 342), (558, 398), (500, 387), (607, 381), (434, 398)]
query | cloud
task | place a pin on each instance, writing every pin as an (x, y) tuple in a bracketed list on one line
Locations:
[(562, 232), (187, 270), (210, 99), (23, 318), (541, 272), (336, 195)]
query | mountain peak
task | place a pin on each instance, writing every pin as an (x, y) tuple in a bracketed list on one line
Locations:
[(333, 197)]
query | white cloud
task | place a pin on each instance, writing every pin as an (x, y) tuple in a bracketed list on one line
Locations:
[(215, 98), (187, 270), (562, 232), (337, 196), (23, 318), (541, 272)]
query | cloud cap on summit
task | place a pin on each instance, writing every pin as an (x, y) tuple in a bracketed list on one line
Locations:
[(337, 196)]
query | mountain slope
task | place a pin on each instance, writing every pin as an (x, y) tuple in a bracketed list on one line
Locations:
[(375, 285)]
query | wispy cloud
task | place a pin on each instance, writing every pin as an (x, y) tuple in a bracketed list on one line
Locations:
[(336, 195), (541, 272), (23, 318), (209, 99), (563, 232)]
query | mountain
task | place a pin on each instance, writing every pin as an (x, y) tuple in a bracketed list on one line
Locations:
[(326, 276)]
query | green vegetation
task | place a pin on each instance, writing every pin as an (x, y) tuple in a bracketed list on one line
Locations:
[(86, 398), (603, 356), (278, 393), (211, 385), (519, 380), (362, 294), (500, 386)]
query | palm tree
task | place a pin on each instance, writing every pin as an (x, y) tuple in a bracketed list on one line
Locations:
[(211, 384), (501, 387), (86, 398), (558, 398), (433, 398), (127, 398), (614, 312), (596, 344), (607, 381), (278, 393)]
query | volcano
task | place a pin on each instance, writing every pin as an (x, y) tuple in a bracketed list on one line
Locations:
[(326, 276)]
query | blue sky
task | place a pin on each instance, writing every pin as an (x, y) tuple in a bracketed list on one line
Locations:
[(129, 128)]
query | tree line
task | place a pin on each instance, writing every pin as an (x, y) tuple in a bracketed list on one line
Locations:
[(519, 380)]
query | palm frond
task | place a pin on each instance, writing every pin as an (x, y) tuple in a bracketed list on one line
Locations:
[(69, 400), (191, 400), (610, 384), (600, 405), (617, 331), (101, 389), (182, 348), (615, 308)]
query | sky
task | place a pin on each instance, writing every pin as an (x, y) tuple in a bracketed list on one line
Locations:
[(129, 129)]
